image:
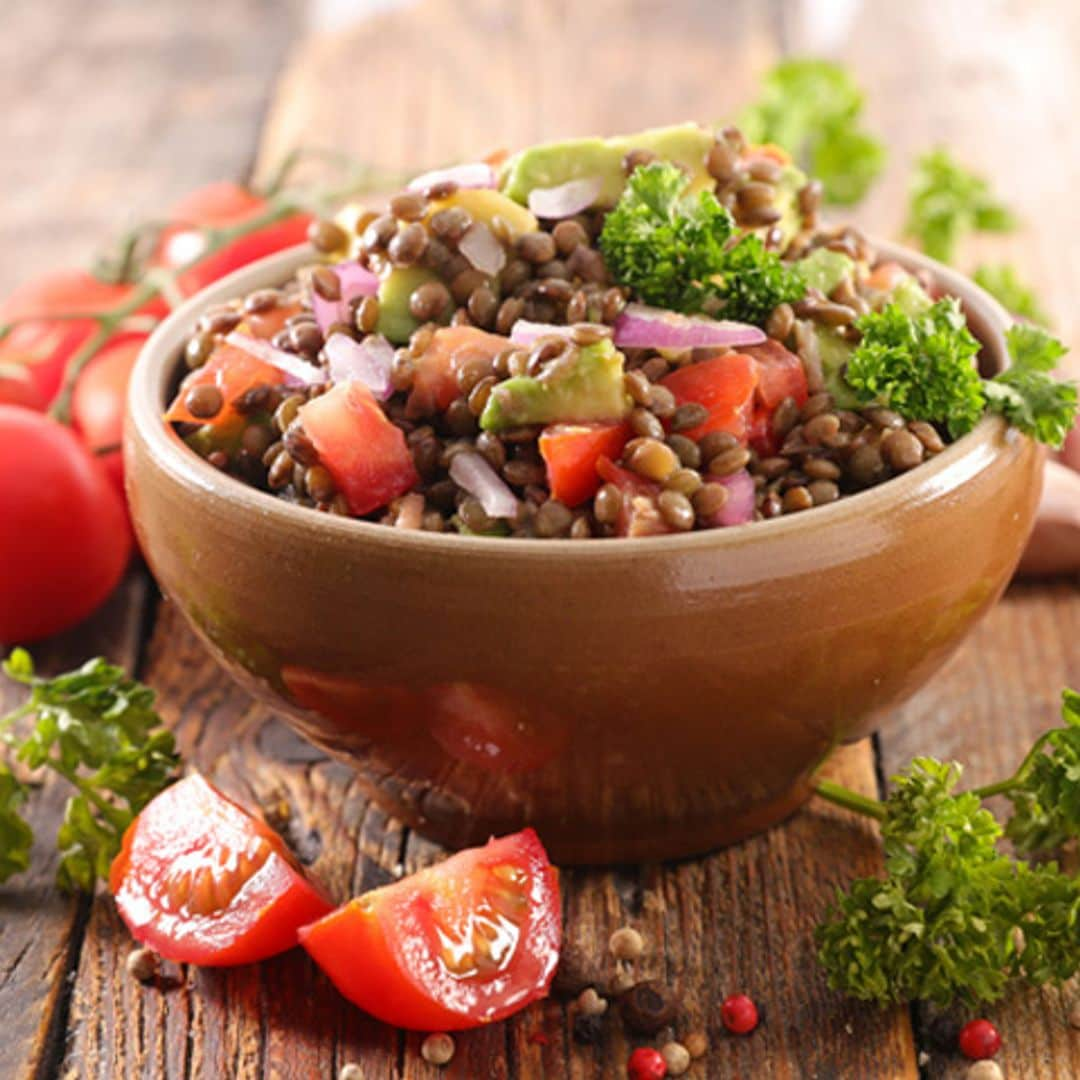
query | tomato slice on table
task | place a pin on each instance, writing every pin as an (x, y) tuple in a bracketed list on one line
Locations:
[(202, 881), (435, 383), (571, 452), (362, 450), (725, 385), (469, 941)]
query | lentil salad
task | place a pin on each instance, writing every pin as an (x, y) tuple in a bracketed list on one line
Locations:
[(540, 346)]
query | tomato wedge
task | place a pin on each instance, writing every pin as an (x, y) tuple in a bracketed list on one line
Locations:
[(201, 881), (457, 945), (780, 374), (362, 450), (570, 453), (233, 371), (724, 385), (435, 381)]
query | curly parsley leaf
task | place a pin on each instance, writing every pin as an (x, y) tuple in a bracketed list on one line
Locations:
[(922, 365), (811, 108), (1046, 796), (1003, 283), (98, 729), (678, 251), (1027, 394), (947, 201)]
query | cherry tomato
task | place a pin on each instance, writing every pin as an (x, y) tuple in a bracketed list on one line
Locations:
[(435, 381), (214, 206), (486, 727), (41, 344), (99, 401), (64, 535), (202, 881), (640, 512), (725, 385), (361, 449), (469, 941), (570, 453)]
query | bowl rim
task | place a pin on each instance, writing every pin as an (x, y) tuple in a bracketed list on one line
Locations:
[(952, 467)]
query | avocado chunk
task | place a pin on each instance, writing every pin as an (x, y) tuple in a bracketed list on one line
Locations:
[(910, 297), (587, 387), (792, 181), (823, 269), (552, 164), (834, 352), (396, 322)]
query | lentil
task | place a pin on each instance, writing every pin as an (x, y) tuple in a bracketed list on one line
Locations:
[(729, 461), (327, 237), (204, 402)]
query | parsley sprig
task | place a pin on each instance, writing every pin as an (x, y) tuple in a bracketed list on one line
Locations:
[(923, 366), (98, 729), (681, 252), (812, 109), (947, 201), (954, 917)]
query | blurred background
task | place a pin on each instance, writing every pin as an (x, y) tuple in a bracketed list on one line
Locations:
[(113, 110)]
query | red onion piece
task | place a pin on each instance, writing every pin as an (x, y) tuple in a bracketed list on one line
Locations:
[(356, 281), (368, 361), (474, 174), (524, 332), (480, 247), (644, 327), (298, 372), (739, 507), (565, 200), (472, 472)]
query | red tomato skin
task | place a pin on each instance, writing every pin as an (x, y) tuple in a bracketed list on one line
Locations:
[(64, 535), (262, 918), (724, 385), (571, 453), (376, 949), (780, 375), (232, 370), (364, 453)]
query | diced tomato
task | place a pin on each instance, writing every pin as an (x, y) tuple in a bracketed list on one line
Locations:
[(886, 276), (487, 727), (767, 152), (202, 881), (364, 453), (640, 512), (724, 385), (233, 371), (435, 382), (467, 942), (265, 324), (571, 451), (780, 374)]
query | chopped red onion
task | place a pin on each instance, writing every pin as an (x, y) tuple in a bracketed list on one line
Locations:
[(297, 372), (524, 332), (480, 247), (475, 174), (471, 471), (739, 507), (356, 281), (368, 361), (565, 200), (644, 327)]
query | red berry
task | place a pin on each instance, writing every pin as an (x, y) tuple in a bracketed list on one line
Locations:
[(739, 1014), (979, 1040), (646, 1064)]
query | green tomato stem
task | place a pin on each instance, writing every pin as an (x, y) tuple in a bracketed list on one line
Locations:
[(850, 800)]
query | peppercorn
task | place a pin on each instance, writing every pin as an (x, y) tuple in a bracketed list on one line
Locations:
[(588, 1029), (697, 1043), (437, 1049), (984, 1070), (350, 1071), (626, 944), (979, 1040), (646, 1064), (142, 964), (591, 1003), (647, 1006), (575, 972), (676, 1057), (739, 1014)]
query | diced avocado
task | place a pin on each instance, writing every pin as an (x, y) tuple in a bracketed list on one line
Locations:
[(588, 388), (910, 297), (823, 269), (485, 205), (552, 164), (792, 181), (396, 322), (835, 352)]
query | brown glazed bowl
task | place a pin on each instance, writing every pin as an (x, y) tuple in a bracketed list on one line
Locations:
[(632, 699)]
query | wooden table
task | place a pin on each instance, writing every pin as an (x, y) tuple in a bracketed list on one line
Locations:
[(114, 111)]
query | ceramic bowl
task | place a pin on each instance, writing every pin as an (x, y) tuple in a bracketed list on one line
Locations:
[(632, 699)]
